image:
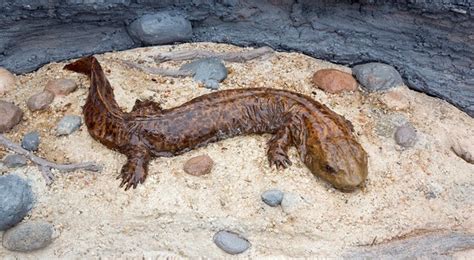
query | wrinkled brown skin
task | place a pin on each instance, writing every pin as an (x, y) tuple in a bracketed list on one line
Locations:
[(324, 139)]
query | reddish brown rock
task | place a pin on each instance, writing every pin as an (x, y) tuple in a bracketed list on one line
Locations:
[(40, 101), (199, 165), (10, 115), (7, 81), (334, 81), (61, 87)]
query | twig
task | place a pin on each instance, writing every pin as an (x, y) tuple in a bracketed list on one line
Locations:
[(46, 166), (157, 71), (227, 56), (195, 54)]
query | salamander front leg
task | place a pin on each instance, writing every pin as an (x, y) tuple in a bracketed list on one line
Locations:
[(278, 149), (135, 170)]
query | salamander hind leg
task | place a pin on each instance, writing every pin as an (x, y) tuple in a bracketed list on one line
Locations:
[(135, 170), (278, 149)]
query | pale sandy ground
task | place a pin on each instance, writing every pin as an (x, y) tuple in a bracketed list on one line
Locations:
[(175, 214)]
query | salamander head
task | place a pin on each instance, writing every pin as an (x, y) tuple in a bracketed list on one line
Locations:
[(342, 162)]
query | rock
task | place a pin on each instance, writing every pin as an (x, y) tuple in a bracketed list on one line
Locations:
[(231, 242), (199, 165), (209, 71), (31, 141), (396, 99), (28, 236), (40, 101), (14, 160), (16, 200), (334, 81), (377, 76), (291, 202), (405, 135), (10, 115), (464, 149), (68, 125), (61, 87), (272, 198), (7, 81), (161, 28)]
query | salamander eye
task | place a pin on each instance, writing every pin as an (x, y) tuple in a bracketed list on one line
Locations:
[(329, 169)]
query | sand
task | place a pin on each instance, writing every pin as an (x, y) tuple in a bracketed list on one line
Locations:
[(419, 189)]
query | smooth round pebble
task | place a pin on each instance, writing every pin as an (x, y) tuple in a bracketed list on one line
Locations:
[(61, 87), (16, 200), (209, 71), (31, 141), (273, 197), (230, 242), (334, 81), (29, 236), (7, 81), (14, 160), (40, 101), (405, 135), (68, 124), (10, 116), (199, 165), (377, 76)]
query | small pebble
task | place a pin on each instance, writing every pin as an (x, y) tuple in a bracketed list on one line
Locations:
[(10, 115), (291, 202), (61, 87), (405, 135), (68, 125), (231, 242), (31, 141), (7, 81), (377, 76), (272, 198), (199, 165), (334, 81), (209, 71), (40, 101), (28, 236), (16, 200), (14, 160)]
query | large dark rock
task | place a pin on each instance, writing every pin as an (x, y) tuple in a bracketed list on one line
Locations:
[(428, 42)]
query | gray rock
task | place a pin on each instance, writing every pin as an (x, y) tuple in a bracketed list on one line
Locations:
[(231, 242), (68, 125), (14, 160), (31, 141), (209, 71), (273, 197), (377, 76), (10, 115), (16, 200), (405, 135), (28, 236), (161, 28)]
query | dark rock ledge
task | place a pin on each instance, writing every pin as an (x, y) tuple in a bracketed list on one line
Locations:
[(431, 43)]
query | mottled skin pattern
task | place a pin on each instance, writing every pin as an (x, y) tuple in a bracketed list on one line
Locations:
[(324, 139)]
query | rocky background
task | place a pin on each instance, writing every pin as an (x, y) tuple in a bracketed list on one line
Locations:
[(430, 42)]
